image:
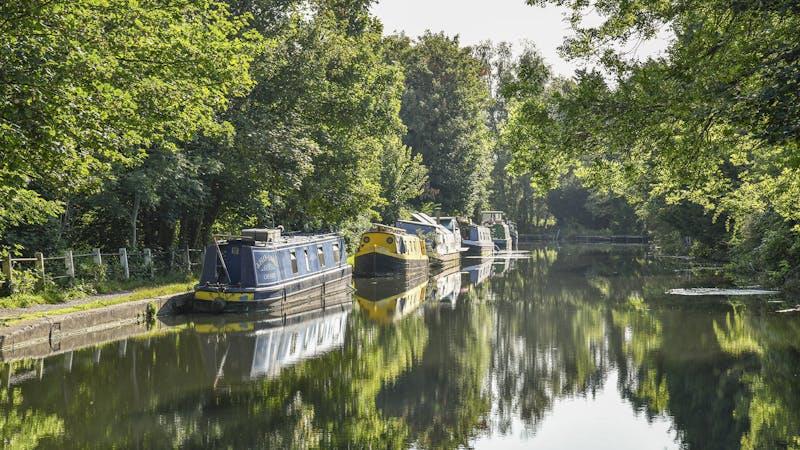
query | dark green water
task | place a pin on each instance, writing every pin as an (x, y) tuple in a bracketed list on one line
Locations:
[(576, 347)]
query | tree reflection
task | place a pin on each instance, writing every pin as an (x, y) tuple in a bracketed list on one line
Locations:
[(559, 325)]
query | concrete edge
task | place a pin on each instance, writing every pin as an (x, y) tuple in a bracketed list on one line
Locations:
[(51, 330)]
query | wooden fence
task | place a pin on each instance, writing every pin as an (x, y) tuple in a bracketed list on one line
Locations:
[(64, 266)]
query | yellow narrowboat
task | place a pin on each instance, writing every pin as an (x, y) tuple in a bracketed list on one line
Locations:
[(390, 251)]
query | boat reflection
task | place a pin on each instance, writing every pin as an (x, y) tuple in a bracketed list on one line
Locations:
[(503, 263), (387, 300), (477, 273), (238, 348), (445, 286)]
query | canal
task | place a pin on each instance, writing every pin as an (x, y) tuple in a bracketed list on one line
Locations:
[(572, 347)]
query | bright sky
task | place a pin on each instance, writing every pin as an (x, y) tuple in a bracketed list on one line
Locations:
[(498, 20)]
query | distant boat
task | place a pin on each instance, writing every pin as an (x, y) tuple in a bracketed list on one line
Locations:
[(390, 251), (477, 239), (262, 269), (501, 231), (442, 245)]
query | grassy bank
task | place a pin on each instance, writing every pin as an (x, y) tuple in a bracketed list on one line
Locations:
[(129, 290), (140, 293)]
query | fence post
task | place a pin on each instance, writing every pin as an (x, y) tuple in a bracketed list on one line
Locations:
[(97, 257), (148, 261), (69, 264), (39, 264), (123, 261), (188, 260), (8, 271)]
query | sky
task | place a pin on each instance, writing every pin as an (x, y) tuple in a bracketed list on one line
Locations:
[(498, 20)]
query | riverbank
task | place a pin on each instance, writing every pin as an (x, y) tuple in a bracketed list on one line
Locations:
[(47, 331)]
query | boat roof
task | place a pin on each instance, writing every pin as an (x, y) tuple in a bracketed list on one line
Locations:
[(285, 240), (381, 228), (435, 226)]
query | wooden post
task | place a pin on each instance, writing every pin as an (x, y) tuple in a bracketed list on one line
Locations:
[(97, 257), (148, 261), (69, 264), (8, 271), (39, 264), (123, 261), (188, 260)]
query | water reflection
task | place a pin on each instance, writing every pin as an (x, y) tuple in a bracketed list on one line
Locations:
[(574, 347)]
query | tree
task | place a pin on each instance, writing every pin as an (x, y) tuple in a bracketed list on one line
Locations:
[(444, 108), (713, 121), (86, 85), (403, 178)]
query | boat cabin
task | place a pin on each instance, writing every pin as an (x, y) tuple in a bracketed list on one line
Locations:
[(441, 243)]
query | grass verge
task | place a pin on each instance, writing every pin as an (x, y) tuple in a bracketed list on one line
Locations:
[(140, 289)]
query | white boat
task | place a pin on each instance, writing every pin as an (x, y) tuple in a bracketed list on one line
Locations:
[(443, 245)]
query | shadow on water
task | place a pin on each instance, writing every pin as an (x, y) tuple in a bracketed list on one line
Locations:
[(574, 346)]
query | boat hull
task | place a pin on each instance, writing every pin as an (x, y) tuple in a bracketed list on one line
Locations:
[(287, 297), (502, 244), (445, 260), (376, 264), (479, 250)]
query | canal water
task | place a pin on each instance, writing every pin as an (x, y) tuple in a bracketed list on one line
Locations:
[(571, 347)]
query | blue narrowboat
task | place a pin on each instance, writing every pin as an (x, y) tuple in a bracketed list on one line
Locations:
[(261, 269)]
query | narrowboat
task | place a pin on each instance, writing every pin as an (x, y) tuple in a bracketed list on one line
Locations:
[(477, 239), (441, 244), (261, 270), (451, 223), (501, 233), (390, 251), (388, 301)]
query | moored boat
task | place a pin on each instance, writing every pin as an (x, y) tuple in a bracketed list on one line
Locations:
[(442, 245), (261, 269), (477, 239), (501, 232), (390, 251)]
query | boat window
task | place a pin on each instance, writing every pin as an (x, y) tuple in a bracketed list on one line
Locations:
[(308, 260), (336, 253), (294, 261), (321, 256), (402, 246)]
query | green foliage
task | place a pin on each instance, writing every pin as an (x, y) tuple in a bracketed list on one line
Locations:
[(88, 84), (444, 108), (766, 244), (712, 122), (403, 178)]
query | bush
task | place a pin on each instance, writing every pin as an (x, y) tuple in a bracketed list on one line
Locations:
[(768, 248)]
